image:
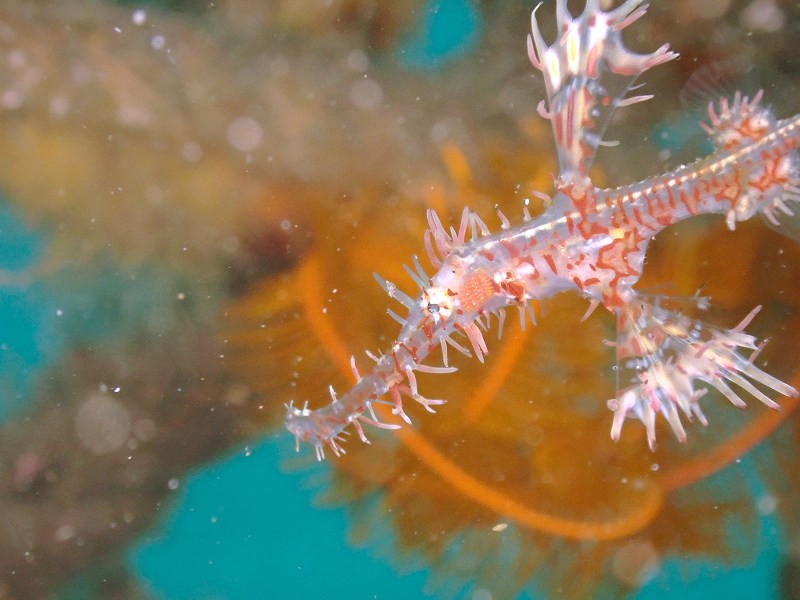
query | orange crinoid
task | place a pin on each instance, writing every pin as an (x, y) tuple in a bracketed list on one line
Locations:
[(516, 478)]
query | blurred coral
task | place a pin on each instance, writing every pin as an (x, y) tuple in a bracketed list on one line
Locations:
[(90, 467), (146, 121)]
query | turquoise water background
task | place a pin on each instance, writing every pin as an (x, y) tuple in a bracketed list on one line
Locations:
[(241, 528)]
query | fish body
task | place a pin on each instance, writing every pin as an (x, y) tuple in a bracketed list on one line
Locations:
[(589, 240)]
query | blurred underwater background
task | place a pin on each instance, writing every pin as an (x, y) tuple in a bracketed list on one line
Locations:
[(193, 199)]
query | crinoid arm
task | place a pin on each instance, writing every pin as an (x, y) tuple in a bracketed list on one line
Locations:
[(665, 357), (587, 72)]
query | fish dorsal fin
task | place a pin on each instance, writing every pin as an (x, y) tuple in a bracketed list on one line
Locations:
[(587, 72), (715, 80)]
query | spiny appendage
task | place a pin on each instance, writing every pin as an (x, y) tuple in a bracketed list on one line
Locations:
[(775, 180), (740, 122), (392, 375), (587, 72), (667, 352), (446, 243)]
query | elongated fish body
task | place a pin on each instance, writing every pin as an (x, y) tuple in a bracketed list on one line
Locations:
[(589, 240)]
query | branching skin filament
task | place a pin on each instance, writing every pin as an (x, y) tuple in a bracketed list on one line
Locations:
[(589, 240)]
